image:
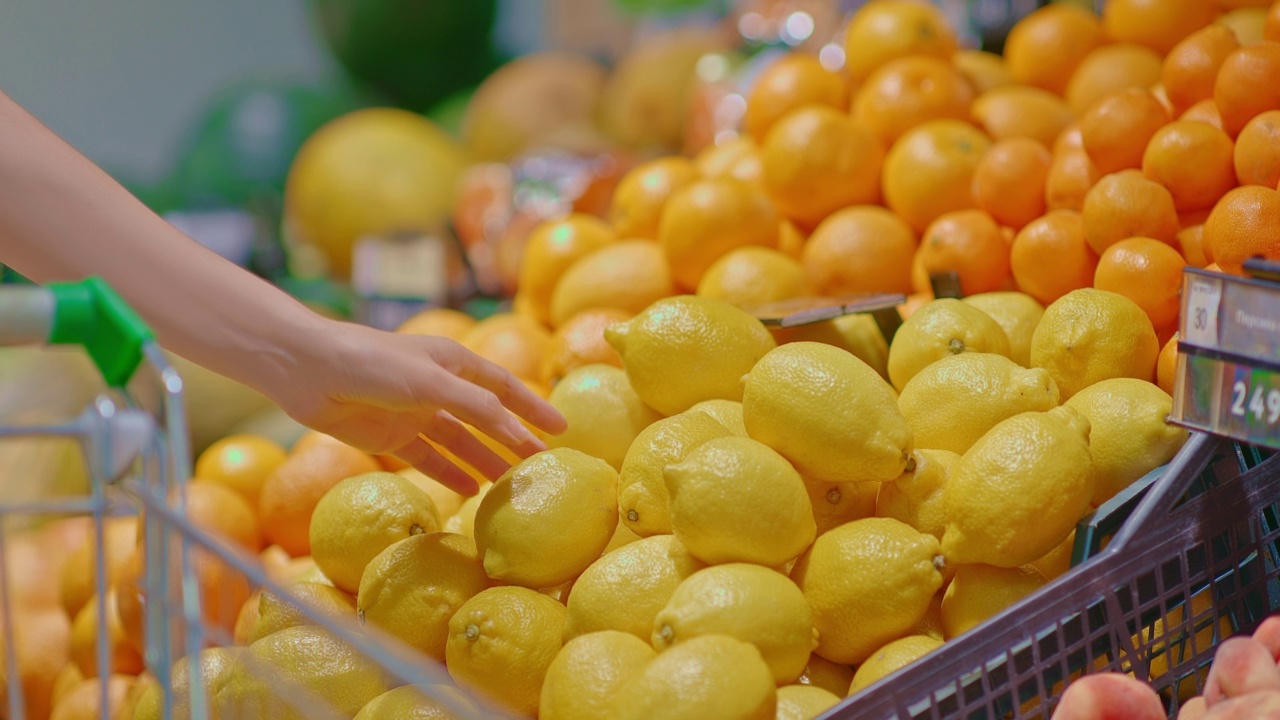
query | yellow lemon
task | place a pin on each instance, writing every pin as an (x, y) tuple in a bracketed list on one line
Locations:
[(826, 675), (622, 536), (1090, 335), (726, 412), (708, 218), (409, 703), (892, 658), (858, 334), (547, 518), (735, 500), (1019, 490), (711, 343), (463, 522), (979, 592), (643, 503), (641, 195), (804, 702), (443, 322), (550, 250), (604, 412), (627, 275), (360, 516), (956, 400), (709, 676), (868, 582), (446, 501), (1017, 314), (215, 671), (412, 588), (1130, 435), (501, 643), (916, 497), (835, 504), (625, 589), (940, 329), (751, 603), (753, 276), (827, 412), (275, 613), (1057, 561), (588, 671), (931, 624)]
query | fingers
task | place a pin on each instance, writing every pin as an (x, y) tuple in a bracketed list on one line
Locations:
[(1109, 696), (1193, 709), (1240, 666), (446, 431), (510, 392), (1268, 635), (1256, 706), (430, 462), (482, 410)]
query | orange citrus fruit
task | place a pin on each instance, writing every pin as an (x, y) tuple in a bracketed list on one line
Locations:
[(1115, 131), (1257, 152), (929, 171), (1147, 272), (1192, 65), (78, 581), (552, 247), (1110, 68), (1124, 205), (1157, 24), (1045, 47), (1050, 257), (1020, 111), (907, 91), (1205, 111), (883, 30), (1249, 24), (970, 244), (1243, 224), (1247, 85), (984, 70), (1167, 365), (241, 463), (861, 249), (123, 657), (751, 276), (1191, 243), (737, 158), (708, 218), (1071, 173), (628, 275), (580, 341), (792, 81), (441, 322), (1193, 160), (514, 342), (1271, 29), (84, 700), (1009, 181), (636, 208)]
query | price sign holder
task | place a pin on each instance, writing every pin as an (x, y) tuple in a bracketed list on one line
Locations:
[(1228, 373)]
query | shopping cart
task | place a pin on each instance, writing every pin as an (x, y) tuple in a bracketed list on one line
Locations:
[(134, 442)]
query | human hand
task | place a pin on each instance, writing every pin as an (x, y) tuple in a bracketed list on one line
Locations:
[(388, 394)]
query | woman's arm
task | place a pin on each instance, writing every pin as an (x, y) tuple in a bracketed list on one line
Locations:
[(63, 218)]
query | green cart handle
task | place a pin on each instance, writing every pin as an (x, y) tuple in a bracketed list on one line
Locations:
[(86, 313)]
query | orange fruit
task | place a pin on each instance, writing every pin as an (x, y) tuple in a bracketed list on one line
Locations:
[(1191, 242), (1020, 111), (1249, 24), (1167, 365), (791, 239), (1192, 65), (241, 463), (1071, 173), (1111, 68), (929, 171), (1115, 131), (860, 249), (222, 511), (441, 322), (124, 658), (1243, 224), (709, 218), (984, 70), (1271, 29), (512, 341), (34, 561), (628, 275), (1044, 48), (79, 580), (554, 245), (816, 161), (1193, 160), (84, 701), (751, 276), (642, 193), (970, 244), (580, 341), (1050, 257), (1205, 111), (1009, 181), (1147, 272), (131, 604), (1157, 24), (737, 158), (883, 30), (1124, 205), (40, 642), (1257, 151), (290, 495), (1247, 85), (907, 91), (792, 81), (1235, 4)]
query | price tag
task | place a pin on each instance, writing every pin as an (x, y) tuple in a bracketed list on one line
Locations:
[(1200, 315)]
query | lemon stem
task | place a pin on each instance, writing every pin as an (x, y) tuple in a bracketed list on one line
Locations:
[(473, 631), (415, 529), (833, 496), (956, 346), (939, 563), (911, 464), (667, 634), (633, 516)]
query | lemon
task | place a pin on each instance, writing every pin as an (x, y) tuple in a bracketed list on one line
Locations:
[(215, 671), (501, 643), (916, 497), (931, 623), (643, 503), (1090, 335), (822, 673), (552, 247), (588, 672), (1019, 490), (605, 414), (275, 613), (858, 334), (726, 412), (1130, 436), (892, 658), (1017, 314), (979, 592), (622, 536), (627, 588), (636, 206), (835, 504), (360, 516), (868, 582), (320, 668), (735, 500), (939, 329), (446, 501), (409, 703), (827, 412), (412, 588), (1057, 561), (627, 275), (547, 518), (709, 344), (753, 276), (956, 400), (804, 702), (751, 603), (709, 676), (463, 522)]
